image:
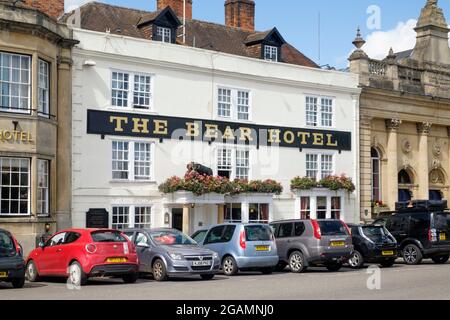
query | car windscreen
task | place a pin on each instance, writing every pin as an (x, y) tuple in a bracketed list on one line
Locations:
[(171, 238), (376, 233), (258, 233), (7, 246), (108, 236), (332, 228), (442, 221)]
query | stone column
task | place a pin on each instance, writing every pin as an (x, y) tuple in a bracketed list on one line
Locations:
[(423, 129), (392, 126), (365, 166), (220, 213), (186, 219), (245, 212)]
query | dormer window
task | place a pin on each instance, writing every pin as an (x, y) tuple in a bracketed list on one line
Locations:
[(271, 53), (164, 34)]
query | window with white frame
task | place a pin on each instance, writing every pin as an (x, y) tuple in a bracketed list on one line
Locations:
[(233, 212), (123, 82), (44, 88), (124, 217), (164, 34), (233, 163), (319, 112), (43, 188), (271, 53), (319, 166), (15, 82), (14, 186), (233, 104), (125, 166), (258, 213)]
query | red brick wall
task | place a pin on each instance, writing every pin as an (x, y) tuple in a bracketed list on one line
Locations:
[(177, 7), (54, 8), (240, 14)]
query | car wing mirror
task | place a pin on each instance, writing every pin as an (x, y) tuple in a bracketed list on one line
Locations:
[(42, 244)]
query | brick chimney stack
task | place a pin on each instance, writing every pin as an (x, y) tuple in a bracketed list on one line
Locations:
[(240, 14), (53, 8), (177, 7)]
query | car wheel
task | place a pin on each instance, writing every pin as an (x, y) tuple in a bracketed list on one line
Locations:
[(77, 277), (356, 261), (296, 262), (267, 270), (440, 259), (229, 266), (388, 263), (159, 270), (207, 276), (334, 267), (280, 266), (130, 278), (412, 254), (32, 274), (18, 283)]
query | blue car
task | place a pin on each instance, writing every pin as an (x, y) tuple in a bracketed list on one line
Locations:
[(241, 247)]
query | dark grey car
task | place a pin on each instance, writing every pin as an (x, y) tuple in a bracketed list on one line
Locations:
[(304, 243), (167, 252)]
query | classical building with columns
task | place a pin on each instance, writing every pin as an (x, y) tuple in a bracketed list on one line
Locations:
[(35, 119), (405, 118)]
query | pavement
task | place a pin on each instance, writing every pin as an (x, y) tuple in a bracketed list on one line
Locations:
[(401, 282)]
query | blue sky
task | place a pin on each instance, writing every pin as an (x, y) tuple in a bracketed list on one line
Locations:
[(297, 20)]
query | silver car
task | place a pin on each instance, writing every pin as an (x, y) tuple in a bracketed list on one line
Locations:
[(304, 243), (167, 252), (241, 246)]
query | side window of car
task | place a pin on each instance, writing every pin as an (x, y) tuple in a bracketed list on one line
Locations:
[(355, 231), (394, 223), (56, 240), (299, 229), (199, 236), (215, 235), (420, 221), (141, 239), (285, 230), (71, 237), (130, 235), (228, 234)]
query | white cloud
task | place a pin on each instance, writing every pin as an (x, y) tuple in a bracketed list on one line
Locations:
[(73, 4), (401, 38)]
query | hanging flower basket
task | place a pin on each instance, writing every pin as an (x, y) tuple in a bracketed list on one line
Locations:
[(333, 183)]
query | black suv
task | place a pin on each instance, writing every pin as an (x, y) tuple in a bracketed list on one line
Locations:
[(422, 230), (12, 266)]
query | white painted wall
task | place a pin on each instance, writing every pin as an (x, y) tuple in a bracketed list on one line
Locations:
[(185, 82)]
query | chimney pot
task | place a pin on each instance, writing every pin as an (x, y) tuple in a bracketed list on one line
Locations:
[(240, 14)]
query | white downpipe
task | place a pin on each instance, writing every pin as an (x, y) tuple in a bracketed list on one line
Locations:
[(184, 21)]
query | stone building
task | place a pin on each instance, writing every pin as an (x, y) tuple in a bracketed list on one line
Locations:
[(405, 118), (35, 118)]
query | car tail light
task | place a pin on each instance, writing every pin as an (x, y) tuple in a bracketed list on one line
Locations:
[(242, 240), (133, 247), (16, 244), (91, 248), (432, 235), (346, 227), (317, 233)]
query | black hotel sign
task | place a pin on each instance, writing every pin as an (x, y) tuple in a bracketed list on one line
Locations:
[(162, 127)]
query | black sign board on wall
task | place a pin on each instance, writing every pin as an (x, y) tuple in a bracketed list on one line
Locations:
[(97, 218), (164, 127)]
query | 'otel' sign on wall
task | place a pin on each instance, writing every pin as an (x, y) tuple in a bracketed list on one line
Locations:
[(15, 136), (163, 127)]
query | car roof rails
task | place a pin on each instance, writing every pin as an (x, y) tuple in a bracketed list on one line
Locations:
[(427, 205)]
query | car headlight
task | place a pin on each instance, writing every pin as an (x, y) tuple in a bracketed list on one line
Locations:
[(176, 256), (215, 255)]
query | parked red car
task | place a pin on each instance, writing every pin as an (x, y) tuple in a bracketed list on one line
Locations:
[(82, 253)]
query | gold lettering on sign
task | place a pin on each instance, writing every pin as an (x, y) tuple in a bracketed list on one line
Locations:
[(329, 141), (140, 125), (303, 136), (16, 136), (212, 131), (160, 126), (192, 129), (228, 134), (318, 139), (289, 137), (119, 121), (246, 134), (274, 136)]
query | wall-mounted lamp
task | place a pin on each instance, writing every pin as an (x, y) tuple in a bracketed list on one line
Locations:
[(15, 123), (166, 218), (192, 205), (89, 63)]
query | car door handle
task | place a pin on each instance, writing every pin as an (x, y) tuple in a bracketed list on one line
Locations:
[(59, 250)]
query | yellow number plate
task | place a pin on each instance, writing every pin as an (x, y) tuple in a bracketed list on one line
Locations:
[(262, 248), (337, 243), (388, 253), (116, 260), (3, 274), (442, 237)]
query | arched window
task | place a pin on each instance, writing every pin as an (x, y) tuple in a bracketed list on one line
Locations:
[(376, 175), (404, 178)]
